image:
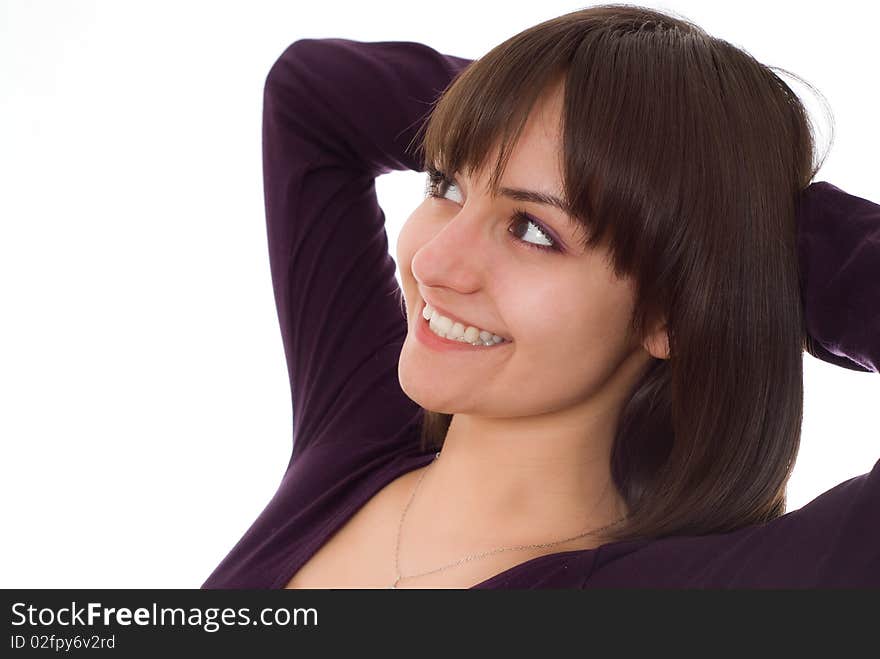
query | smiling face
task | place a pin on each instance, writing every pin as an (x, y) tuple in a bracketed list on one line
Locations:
[(525, 277)]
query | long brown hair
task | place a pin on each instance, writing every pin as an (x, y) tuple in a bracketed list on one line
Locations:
[(684, 155)]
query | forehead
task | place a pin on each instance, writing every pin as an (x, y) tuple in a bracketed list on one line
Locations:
[(536, 160)]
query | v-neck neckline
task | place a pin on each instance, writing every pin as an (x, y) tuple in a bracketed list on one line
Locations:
[(398, 466)]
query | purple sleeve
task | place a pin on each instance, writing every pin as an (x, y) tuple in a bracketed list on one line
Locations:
[(336, 114), (839, 256)]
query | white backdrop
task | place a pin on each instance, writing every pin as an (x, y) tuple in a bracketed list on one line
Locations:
[(144, 403)]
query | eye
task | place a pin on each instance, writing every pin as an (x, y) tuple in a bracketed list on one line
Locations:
[(438, 184), (521, 218)]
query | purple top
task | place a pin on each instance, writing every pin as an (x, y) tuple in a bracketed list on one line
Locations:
[(337, 114)]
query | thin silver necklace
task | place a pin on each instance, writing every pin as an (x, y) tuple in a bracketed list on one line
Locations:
[(472, 557)]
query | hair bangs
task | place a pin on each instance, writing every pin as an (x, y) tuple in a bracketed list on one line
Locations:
[(484, 111)]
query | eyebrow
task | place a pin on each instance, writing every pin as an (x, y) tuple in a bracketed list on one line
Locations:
[(534, 197)]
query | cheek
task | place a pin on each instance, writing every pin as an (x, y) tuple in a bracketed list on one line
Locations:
[(572, 307), (408, 243), (402, 250), (572, 324), (573, 352), (414, 233)]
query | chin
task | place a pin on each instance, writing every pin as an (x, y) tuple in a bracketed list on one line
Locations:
[(414, 377), (419, 384)]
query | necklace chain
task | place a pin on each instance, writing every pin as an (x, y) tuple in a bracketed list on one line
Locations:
[(472, 557)]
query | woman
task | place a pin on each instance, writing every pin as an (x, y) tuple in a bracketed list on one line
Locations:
[(592, 376)]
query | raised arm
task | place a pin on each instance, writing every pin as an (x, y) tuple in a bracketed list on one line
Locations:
[(336, 114), (839, 255)]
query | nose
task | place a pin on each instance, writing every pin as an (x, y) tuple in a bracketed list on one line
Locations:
[(457, 256)]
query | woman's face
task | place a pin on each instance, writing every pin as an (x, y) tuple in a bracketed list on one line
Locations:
[(565, 314)]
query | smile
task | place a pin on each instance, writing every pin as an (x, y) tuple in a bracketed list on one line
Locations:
[(454, 330)]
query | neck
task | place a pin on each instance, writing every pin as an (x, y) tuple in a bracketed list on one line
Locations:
[(524, 479)]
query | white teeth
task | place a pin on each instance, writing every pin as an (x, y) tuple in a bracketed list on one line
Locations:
[(448, 328)]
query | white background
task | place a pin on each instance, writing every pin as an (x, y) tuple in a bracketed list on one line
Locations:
[(144, 403)]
